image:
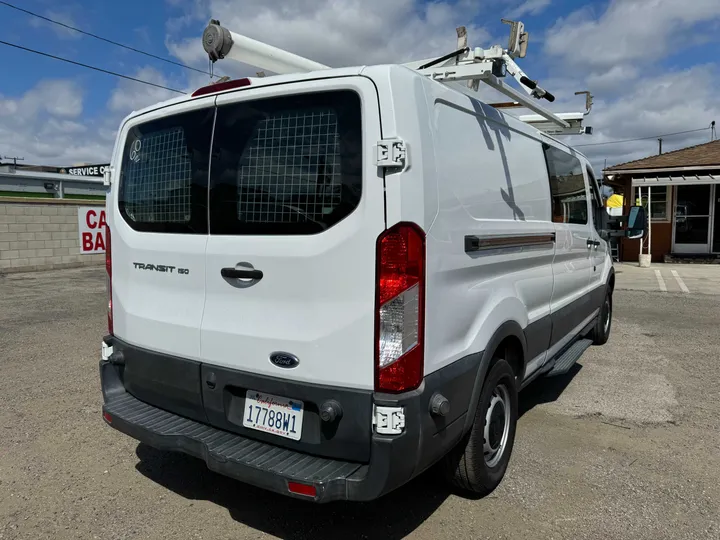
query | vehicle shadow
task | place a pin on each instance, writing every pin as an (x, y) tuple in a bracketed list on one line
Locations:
[(545, 390), (394, 516)]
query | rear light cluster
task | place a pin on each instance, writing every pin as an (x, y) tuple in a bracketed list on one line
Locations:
[(108, 269), (220, 87), (400, 316)]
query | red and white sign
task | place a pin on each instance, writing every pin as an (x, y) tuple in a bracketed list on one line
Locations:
[(91, 224)]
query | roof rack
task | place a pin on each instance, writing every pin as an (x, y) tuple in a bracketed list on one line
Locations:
[(462, 69)]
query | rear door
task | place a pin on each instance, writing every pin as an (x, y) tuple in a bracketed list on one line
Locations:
[(600, 248), (158, 224), (296, 207)]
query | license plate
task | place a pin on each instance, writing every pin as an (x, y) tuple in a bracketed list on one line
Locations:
[(273, 414)]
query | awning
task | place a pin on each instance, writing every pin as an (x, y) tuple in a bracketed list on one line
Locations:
[(681, 179)]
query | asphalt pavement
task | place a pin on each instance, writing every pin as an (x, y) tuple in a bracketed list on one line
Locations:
[(627, 446)]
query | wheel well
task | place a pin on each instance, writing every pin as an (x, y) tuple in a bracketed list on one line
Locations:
[(511, 350), (611, 282)]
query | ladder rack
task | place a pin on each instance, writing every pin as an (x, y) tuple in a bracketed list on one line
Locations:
[(464, 69)]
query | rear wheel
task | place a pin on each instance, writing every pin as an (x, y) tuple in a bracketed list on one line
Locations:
[(479, 462), (601, 331)]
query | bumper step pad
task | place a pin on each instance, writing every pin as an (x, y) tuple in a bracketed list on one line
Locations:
[(565, 362), (254, 462)]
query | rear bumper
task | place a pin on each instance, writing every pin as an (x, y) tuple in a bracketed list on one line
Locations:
[(394, 460)]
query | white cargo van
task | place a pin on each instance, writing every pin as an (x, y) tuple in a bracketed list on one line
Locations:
[(324, 283)]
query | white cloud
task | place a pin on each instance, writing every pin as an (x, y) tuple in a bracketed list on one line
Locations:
[(613, 80), (629, 31), (131, 96), (529, 7), (61, 98), (45, 126), (669, 103), (60, 31)]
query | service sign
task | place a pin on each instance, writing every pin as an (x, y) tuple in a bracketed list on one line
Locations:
[(91, 224), (87, 170)]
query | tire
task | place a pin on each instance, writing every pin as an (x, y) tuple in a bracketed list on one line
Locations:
[(601, 331), (466, 466)]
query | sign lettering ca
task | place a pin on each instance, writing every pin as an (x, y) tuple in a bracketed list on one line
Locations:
[(91, 225)]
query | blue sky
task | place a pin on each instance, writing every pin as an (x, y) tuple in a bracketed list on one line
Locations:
[(651, 64)]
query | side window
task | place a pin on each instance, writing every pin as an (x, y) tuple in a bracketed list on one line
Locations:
[(567, 187), (164, 174), (598, 205), (286, 166)]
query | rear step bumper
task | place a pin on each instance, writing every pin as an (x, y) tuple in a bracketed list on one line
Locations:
[(394, 460), (253, 462)]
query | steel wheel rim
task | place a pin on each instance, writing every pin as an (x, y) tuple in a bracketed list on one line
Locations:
[(606, 322), (497, 425)]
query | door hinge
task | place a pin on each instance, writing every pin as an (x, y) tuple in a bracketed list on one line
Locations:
[(107, 175), (388, 420), (391, 153)]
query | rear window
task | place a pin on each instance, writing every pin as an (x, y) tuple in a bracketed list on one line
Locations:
[(279, 166), (164, 174), (289, 165)]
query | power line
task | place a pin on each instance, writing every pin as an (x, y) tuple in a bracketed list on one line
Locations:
[(644, 138), (105, 39), (92, 67)]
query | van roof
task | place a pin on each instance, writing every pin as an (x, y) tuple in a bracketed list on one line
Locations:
[(259, 82)]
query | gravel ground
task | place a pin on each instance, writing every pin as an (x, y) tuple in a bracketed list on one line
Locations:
[(626, 446)]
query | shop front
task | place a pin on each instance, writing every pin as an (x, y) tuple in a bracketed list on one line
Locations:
[(681, 191)]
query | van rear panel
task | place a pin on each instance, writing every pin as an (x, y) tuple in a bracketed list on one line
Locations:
[(244, 230)]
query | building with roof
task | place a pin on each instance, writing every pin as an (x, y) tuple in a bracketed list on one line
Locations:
[(682, 191)]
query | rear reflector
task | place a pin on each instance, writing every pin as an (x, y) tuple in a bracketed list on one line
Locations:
[(220, 87), (399, 358), (107, 417), (302, 489)]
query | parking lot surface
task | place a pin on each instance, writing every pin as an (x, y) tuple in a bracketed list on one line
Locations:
[(626, 446)]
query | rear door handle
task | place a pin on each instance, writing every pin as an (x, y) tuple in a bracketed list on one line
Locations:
[(237, 273)]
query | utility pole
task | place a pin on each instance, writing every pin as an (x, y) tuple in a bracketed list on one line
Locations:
[(712, 131), (15, 159), (660, 148)]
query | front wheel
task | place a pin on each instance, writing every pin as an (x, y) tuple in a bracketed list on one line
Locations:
[(601, 331), (479, 462)]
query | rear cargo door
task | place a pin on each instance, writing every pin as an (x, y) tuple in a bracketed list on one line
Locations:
[(158, 225), (296, 207)]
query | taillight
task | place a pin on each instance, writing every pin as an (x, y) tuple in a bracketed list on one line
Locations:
[(400, 316), (221, 86), (108, 269)]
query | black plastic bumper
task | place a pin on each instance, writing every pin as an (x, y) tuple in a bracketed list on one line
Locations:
[(394, 460), (253, 462)]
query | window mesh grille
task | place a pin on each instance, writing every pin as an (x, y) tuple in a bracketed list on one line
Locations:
[(290, 169), (158, 178)]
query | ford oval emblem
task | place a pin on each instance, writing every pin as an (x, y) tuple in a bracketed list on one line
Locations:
[(284, 360)]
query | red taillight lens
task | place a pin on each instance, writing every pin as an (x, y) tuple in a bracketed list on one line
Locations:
[(220, 87), (399, 354), (108, 269)]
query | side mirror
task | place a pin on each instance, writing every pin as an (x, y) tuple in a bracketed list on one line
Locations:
[(636, 222)]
